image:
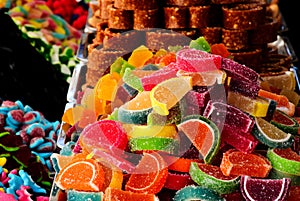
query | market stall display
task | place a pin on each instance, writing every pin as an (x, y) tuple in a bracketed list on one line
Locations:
[(153, 114)]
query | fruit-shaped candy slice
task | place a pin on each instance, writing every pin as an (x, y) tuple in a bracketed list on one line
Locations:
[(280, 99), (203, 134), (106, 86), (102, 134), (257, 107), (82, 175), (178, 180), (193, 192), (285, 122), (113, 194), (139, 56), (244, 142), (149, 175), (238, 71), (264, 189), (136, 110), (270, 135), (285, 160), (247, 88), (225, 114), (167, 72), (211, 176), (180, 164), (192, 60), (133, 78), (136, 131), (235, 162), (165, 144), (74, 195), (113, 175), (207, 78), (166, 94)]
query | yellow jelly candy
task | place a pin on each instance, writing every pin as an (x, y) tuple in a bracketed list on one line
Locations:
[(257, 107), (107, 85), (167, 93), (2, 161), (139, 56)]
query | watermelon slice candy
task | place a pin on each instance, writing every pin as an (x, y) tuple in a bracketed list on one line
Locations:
[(285, 122)]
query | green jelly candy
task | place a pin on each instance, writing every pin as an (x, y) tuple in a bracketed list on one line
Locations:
[(132, 80), (154, 144), (74, 195), (285, 160), (192, 192), (211, 176), (200, 44)]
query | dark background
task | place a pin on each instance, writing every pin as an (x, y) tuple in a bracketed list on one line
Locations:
[(290, 13), (25, 75)]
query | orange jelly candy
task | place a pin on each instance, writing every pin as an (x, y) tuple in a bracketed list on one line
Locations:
[(81, 175), (149, 175), (114, 194), (235, 162)]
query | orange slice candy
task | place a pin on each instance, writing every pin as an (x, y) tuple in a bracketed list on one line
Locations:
[(235, 162), (149, 175), (114, 194), (81, 175)]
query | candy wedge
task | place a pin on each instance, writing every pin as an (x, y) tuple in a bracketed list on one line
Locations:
[(247, 88), (204, 135), (270, 135), (285, 160), (257, 107), (136, 131), (238, 71), (244, 142), (193, 192), (167, 72), (136, 110), (235, 162), (285, 122), (264, 189), (225, 114), (192, 60), (211, 176), (169, 92)]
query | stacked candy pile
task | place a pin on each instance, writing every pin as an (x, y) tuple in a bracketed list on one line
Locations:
[(27, 140), (184, 124), (246, 27)]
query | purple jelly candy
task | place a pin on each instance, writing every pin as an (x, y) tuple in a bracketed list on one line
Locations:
[(246, 88), (264, 189), (244, 142), (238, 71), (222, 113)]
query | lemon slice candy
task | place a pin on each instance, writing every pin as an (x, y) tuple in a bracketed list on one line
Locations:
[(167, 93), (270, 135)]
